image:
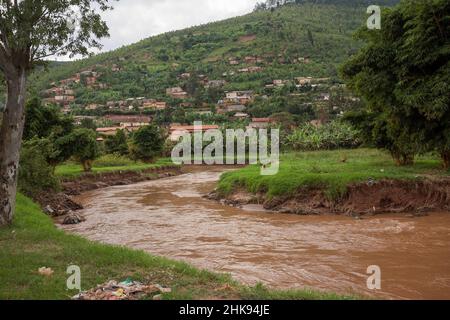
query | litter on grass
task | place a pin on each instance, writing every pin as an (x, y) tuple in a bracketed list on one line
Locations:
[(44, 271), (126, 290)]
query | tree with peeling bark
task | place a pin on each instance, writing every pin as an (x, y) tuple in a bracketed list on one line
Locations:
[(30, 32)]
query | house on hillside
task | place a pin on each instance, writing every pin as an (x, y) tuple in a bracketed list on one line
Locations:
[(108, 131), (115, 68), (239, 97), (233, 61), (231, 108), (177, 131), (303, 81), (324, 97), (153, 104), (177, 93), (260, 123), (92, 106), (64, 99), (241, 115), (128, 121), (215, 83)]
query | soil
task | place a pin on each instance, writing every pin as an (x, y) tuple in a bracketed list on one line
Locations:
[(374, 197), (61, 205), (93, 181)]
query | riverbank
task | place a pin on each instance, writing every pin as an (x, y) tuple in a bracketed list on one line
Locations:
[(353, 182), (33, 242), (74, 181)]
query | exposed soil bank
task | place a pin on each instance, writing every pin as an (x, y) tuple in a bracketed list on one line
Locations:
[(94, 181), (387, 196), (61, 204), (171, 218)]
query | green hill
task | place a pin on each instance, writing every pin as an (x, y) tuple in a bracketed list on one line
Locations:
[(309, 39)]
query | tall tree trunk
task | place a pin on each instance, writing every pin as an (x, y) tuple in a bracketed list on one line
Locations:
[(10, 141)]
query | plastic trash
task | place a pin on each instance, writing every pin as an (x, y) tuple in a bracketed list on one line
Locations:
[(48, 272)]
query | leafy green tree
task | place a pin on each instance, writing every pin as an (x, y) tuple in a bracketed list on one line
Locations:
[(117, 144), (147, 143), (82, 144), (403, 74), (35, 174), (88, 123), (43, 121), (49, 150), (30, 31)]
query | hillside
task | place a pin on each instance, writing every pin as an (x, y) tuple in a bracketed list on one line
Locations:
[(244, 53)]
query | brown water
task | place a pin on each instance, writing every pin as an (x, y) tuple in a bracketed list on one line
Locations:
[(170, 218)]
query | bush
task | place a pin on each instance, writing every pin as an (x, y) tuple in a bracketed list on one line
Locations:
[(334, 135), (117, 144), (35, 174), (147, 143), (82, 144)]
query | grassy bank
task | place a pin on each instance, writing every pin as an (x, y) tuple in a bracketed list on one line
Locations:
[(33, 242), (102, 165), (332, 171)]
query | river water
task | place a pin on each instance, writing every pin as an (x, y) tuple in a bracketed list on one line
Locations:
[(170, 218)]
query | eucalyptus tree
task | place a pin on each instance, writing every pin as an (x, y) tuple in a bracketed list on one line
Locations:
[(32, 31)]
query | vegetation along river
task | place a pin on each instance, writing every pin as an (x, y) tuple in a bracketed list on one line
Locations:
[(170, 218)]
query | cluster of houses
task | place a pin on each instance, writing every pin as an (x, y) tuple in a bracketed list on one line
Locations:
[(299, 82), (62, 93), (122, 122), (236, 102), (175, 131), (139, 103)]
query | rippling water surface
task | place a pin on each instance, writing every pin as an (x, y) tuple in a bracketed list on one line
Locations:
[(170, 218)]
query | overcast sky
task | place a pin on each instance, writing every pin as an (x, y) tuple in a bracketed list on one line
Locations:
[(134, 20)]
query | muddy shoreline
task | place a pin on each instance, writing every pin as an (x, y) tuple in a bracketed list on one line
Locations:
[(171, 218), (375, 197), (61, 205)]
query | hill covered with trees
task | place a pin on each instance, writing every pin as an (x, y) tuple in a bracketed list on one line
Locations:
[(303, 39)]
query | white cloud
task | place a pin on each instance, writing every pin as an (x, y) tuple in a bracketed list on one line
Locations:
[(134, 20)]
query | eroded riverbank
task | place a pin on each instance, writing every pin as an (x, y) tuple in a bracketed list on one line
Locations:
[(170, 217)]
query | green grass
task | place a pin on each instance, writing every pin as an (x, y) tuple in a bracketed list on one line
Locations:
[(33, 242), (73, 170), (326, 170)]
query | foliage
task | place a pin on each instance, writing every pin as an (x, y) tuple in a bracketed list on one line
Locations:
[(147, 143), (35, 174), (44, 121), (117, 144), (82, 144), (330, 171), (403, 75), (88, 123), (101, 263), (334, 135), (154, 64)]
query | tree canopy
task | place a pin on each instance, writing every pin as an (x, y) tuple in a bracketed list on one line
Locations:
[(403, 74)]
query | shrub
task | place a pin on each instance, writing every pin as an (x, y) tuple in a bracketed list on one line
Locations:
[(82, 144), (35, 174), (147, 143), (334, 135)]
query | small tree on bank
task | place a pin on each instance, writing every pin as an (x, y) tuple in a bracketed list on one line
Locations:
[(147, 143), (403, 74), (82, 144), (30, 31)]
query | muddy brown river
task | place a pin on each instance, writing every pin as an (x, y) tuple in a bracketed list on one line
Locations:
[(170, 218)]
